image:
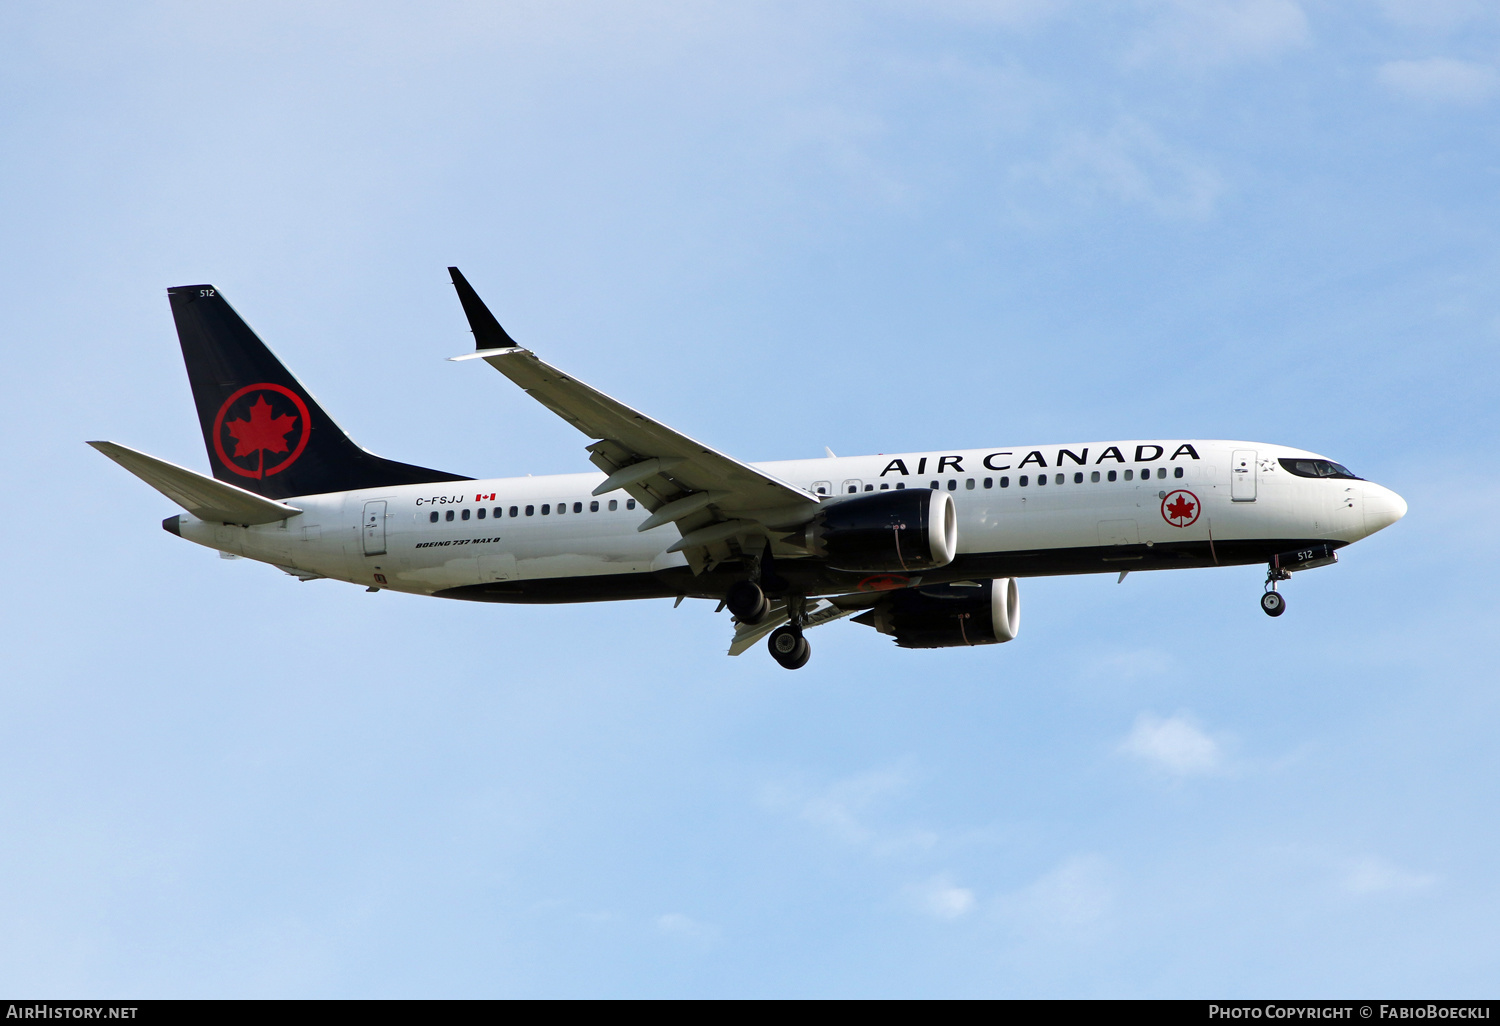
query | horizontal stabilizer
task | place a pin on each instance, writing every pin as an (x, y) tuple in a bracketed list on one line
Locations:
[(202, 496)]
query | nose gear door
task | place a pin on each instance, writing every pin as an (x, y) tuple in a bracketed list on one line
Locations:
[(374, 528), (1242, 476)]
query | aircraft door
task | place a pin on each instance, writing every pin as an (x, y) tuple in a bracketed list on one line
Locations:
[(1242, 476), (852, 485), (499, 566), (1119, 532), (374, 528)]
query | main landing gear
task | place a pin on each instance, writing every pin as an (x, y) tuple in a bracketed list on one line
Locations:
[(1271, 602), (747, 602), (789, 648)]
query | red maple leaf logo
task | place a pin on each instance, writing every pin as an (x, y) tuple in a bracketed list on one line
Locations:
[(1181, 509), (262, 433)]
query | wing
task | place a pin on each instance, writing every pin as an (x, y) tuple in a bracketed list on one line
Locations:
[(718, 503)]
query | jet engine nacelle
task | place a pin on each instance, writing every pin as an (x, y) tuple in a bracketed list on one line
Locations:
[(895, 532), (949, 615)]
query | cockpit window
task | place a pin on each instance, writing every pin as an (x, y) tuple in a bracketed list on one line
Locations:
[(1317, 468)]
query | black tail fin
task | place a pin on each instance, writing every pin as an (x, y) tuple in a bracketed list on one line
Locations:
[(263, 430)]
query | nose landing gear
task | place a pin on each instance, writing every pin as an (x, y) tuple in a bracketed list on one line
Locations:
[(1271, 602)]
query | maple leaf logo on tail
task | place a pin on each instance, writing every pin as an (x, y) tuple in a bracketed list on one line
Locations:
[(262, 433), (1180, 508), (261, 429)]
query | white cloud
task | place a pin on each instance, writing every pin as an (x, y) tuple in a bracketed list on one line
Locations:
[(1073, 901), (1442, 79), (1130, 162), (1175, 745), (1206, 33), (1010, 13), (842, 808), (1147, 662), (836, 809), (941, 898), (1371, 875), (1440, 15), (676, 924)]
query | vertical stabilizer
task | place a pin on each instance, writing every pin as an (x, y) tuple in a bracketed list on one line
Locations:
[(264, 431)]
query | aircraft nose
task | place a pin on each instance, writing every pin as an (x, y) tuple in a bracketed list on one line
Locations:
[(1383, 507)]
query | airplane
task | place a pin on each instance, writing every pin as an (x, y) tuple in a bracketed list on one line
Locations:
[(925, 547)]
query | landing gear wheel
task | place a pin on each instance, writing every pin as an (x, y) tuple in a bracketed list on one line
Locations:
[(789, 648), (747, 602), (1273, 603)]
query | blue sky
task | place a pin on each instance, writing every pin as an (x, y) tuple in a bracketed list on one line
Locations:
[(877, 227)]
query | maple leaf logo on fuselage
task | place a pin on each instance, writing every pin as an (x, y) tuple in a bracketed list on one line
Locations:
[(1180, 510)]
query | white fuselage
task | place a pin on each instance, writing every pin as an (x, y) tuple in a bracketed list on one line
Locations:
[(427, 539)]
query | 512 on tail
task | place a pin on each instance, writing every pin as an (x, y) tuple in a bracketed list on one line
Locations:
[(925, 547)]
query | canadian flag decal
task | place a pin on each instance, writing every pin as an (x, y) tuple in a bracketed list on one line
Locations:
[(485, 498)]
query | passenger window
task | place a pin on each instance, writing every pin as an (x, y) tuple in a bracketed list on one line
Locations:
[(969, 484), (1161, 472), (577, 507), (1094, 477), (500, 511), (1005, 482), (630, 504), (1078, 478), (614, 504), (1176, 471), (546, 508), (934, 486), (989, 482), (952, 485), (900, 486), (480, 512), (822, 487), (514, 512), (1022, 481), (1111, 475), (869, 488), (432, 517), (530, 510), (594, 506), (885, 487), (1041, 479), (1059, 479), (448, 515), (464, 515), (1129, 474)]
